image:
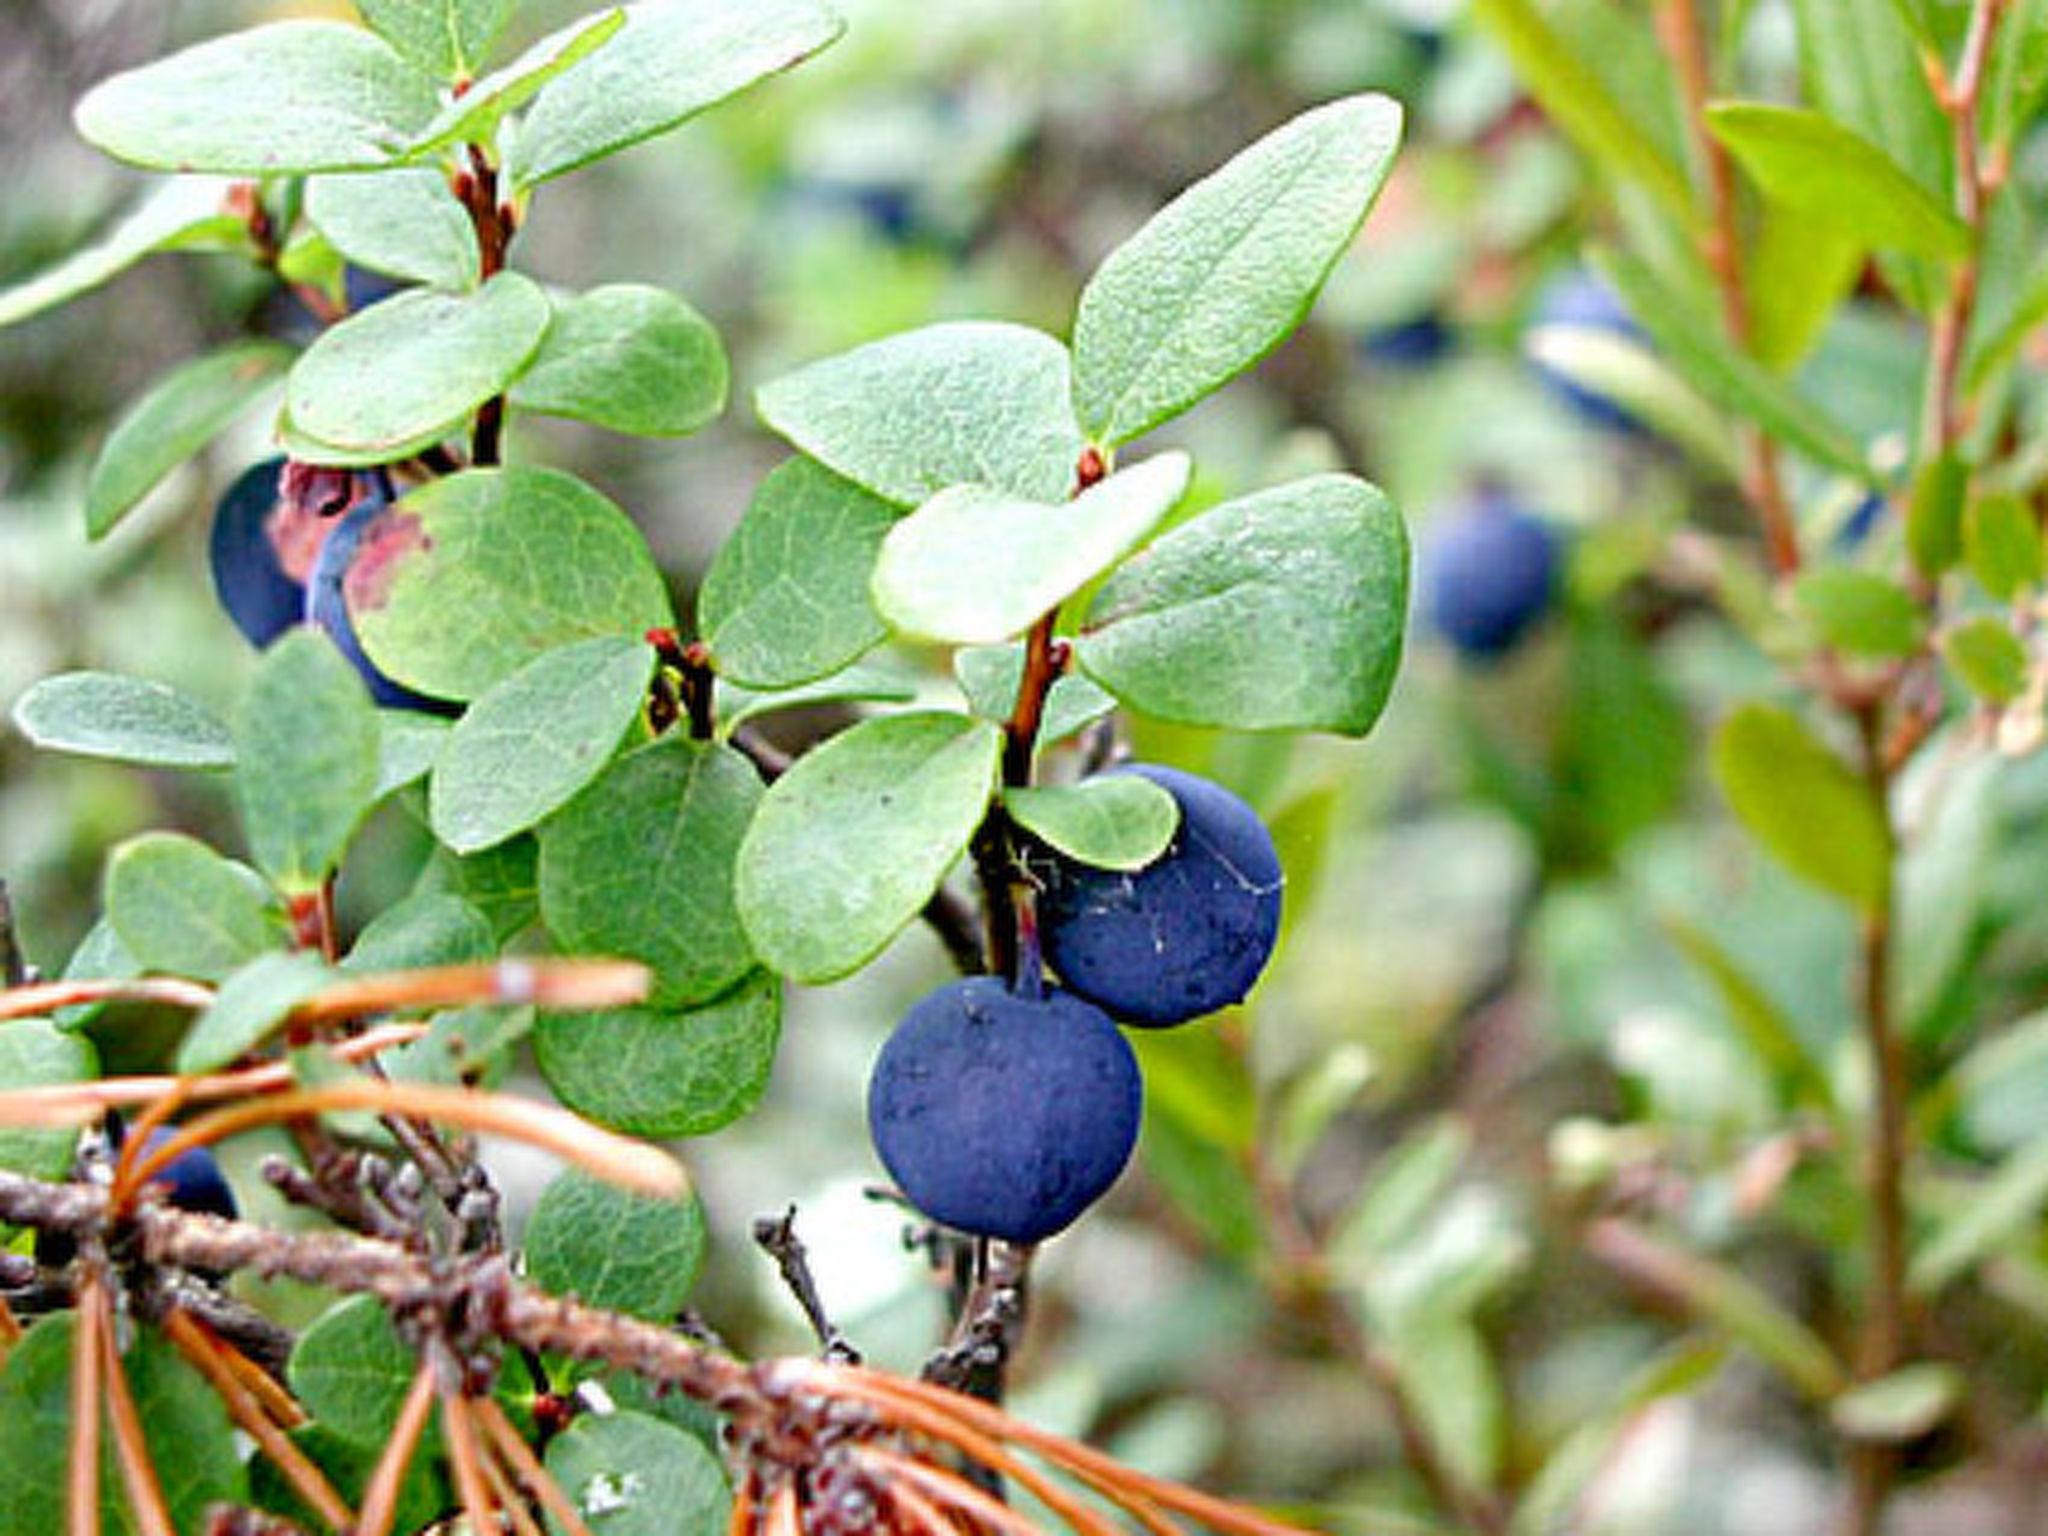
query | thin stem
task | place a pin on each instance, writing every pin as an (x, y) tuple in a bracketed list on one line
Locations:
[(1721, 244)]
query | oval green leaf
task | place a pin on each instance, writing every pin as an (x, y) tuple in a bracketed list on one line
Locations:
[(124, 719), (1225, 271), (250, 1004), (179, 907), (464, 580), (631, 358), (1803, 803), (611, 1248), (531, 742), (404, 223), (35, 1053), (1860, 612), (975, 565), (631, 1474), (1280, 611), (967, 402), (852, 841), (1115, 821), (446, 38)]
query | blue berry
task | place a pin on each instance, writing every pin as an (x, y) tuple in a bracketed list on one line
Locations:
[(327, 607), (1488, 571)]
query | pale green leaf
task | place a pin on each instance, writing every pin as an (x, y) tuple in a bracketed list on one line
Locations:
[(631, 1474), (1988, 657), (449, 38), (404, 223), (628, 357), (177, 211), (1113, 821), (177, 906), (1803, 803), (35, 1053), (611, 1248), (474, 116), (125, 719), (250, 1004)]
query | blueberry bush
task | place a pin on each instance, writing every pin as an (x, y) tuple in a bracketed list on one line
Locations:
[(807, 596)]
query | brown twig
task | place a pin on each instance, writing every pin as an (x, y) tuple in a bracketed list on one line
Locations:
[(1721, 244)]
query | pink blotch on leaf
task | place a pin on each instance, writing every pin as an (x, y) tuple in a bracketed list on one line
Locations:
[(389, 539)]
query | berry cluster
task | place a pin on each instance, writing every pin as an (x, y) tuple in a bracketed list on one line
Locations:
[(1006, 1110)]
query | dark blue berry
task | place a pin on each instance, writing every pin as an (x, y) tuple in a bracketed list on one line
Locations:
[(192, 1180), (1184, 936), (327, 607), (1004, 1115), (1488, 569), (252, 541)]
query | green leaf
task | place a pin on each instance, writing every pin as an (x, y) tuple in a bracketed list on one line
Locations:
[(1800, 270), (250, 1004), (2003, 545), (990, 675), (474, 116), (124, 719), (404, 223), (662, 1073), (408, 744), (1803, 803), (426, 928), (1278, 611), (641, 865), (786, 600), (177, 906), (186, 1431), (351, 1371), (631, 358), (874, 681), (1998, 1210), (1731, 379), (611, 1248), (2018, 73), (285, 99), (665, 66), (853, 840), (1901, 1406), (1934, 518), (306, 748), (1222, 274), (100, 954), (1808, 161), (974, 565), (1579, 102), (1860, 612), (408, 372), (1451, 1380), (476, 574), (532, 741), (630, 1474), (1628, 373), (1988, 657), (448, 38), (967, 402), (502, 883), (179, 415), (1768, 1035), (35, 1053), (423, 1492), (180, 211), (2012, 286), (1114, 821)]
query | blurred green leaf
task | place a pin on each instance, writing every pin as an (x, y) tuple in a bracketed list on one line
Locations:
[(2018, 75), (34, 1053), (1409, 1182), (288, 98), (1204, 1180), (1800, 269), (1223, 273), (1806, 160), (1999, 1209), (179, 907), (976, 566), (178, 211), (2002, 543), (408, 372), (123, 719), (1628, 374), (1198, 1079), (1113, 821), (1451, 1379), (180, 414), (630, 358), (1803, 804), (1007, 422), (852, 841), (1770, 1037), (1860, 612), (640, 864), (659, 1073), (1988, 657), (1724, 374), (532, 740), (1901, 1406), (786, 599), (403, 223), (667, 64), (306, 759), (611, 1248), (1283, 610), (427, 928), (478, 573), (1934, 517), (351, 1371)]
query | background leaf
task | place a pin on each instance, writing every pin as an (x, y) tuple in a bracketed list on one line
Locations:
[(125, 719), (628, 357), (35, 1053), (251, 1003), (178, 210), (611, 1248), (1802, 803)]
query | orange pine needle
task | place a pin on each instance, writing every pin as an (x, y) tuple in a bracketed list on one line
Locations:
[(131, 1446), (509, 1498), (889, 1468), (560, 985), (48, 996), (740, 1522), (10, 1328), (125, 1187), (631, 1164), (465, 1460), (919, 1511), (209, 1358), (380, 1496), (77, 1103), (783, 1519), (82, 1483), (536, 1478)]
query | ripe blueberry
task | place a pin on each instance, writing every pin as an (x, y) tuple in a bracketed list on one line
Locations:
[(262, 550), (192, 1181), (1004, 1115), (1488, 569), (327, 607), (1184, 936), (1578, 299)]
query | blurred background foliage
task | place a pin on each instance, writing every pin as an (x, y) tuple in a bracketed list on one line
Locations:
[(1532, 974)]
